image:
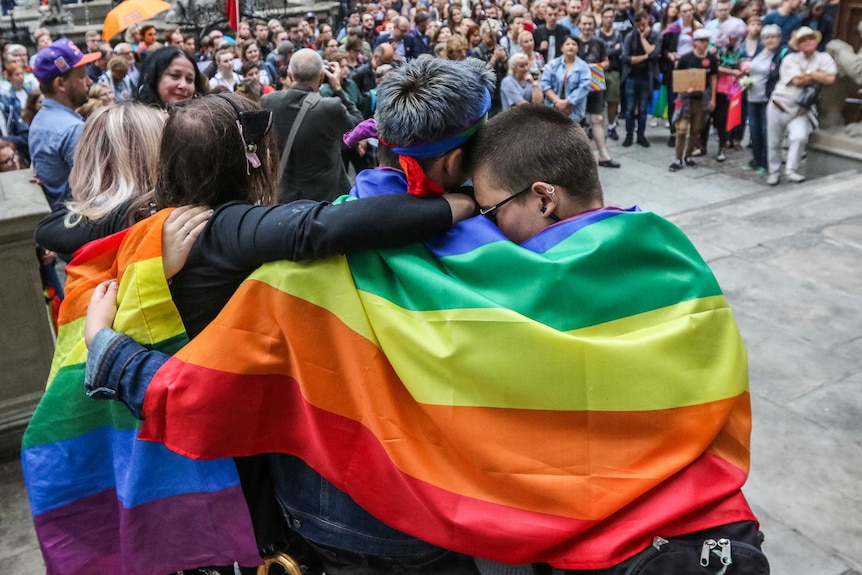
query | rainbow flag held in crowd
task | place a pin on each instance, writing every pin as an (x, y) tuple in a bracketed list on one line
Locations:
[(597, 78), (102, 501), (561, 401)]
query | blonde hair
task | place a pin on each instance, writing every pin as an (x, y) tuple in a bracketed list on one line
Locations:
[(516, 59), (86, 109), (115, 160)]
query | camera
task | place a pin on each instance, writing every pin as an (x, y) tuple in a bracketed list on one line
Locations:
[(327, 67)]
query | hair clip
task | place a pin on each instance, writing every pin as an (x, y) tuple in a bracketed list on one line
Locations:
[(253, 125)]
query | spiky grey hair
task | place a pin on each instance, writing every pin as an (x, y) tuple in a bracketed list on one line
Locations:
[(429, 99)]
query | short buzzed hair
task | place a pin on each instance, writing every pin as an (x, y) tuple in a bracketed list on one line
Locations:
[(554, 149), (429, 99), (306, 65)]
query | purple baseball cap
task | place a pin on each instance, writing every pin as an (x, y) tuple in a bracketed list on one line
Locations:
[(55, 60)]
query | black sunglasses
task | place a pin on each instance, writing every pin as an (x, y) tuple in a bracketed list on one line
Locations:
[(490, 212)]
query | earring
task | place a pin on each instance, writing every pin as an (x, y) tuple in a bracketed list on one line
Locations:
[(544, 209), (552, 192)]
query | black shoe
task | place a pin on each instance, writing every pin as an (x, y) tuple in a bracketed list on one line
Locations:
[(612, 133), (676, 165), (609, 164), (671, 142), (642, 141), (690, 162), (628, 141), (589, 133)]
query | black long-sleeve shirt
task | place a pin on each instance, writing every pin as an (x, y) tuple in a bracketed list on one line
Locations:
[(239, 237)]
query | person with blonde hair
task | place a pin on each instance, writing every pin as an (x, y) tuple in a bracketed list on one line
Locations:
[(115, 162), (520, 87), (116, 77)]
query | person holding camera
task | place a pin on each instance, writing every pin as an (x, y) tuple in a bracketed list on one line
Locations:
[(595, 53), (494, 55), (521, 86), (309, 129)]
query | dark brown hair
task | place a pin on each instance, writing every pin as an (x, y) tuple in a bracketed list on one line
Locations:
[(202, 157)]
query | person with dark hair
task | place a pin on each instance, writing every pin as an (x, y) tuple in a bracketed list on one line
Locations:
[(692, 107), (566, 82), (13, 128), (429, 110), (148, 38), (594, 52), (641, 56), (249, 51), (278, 58), (614, 42), (450, 415), (54, 132), (219, 151), (352, 21), (10, 159), (169, 75), (33, 105), (405, 44), (819, 20), (261, 37), (549, 38)]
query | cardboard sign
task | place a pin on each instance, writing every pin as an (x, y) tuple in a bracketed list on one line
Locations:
[(685, 79)]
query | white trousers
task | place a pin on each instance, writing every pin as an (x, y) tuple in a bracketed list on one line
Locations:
[(797, 128)]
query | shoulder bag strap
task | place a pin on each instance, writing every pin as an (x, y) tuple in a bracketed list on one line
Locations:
[(309, 102)]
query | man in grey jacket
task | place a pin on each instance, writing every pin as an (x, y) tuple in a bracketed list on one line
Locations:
[(313, 168)]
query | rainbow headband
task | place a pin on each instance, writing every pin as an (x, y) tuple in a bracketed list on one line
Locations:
[(440, 147)]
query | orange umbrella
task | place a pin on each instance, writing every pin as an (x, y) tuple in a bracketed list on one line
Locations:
[(131, 12)]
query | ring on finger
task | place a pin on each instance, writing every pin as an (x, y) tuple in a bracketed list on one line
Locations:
[(188, 233)]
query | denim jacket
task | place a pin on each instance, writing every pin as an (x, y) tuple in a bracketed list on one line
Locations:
[(577, 84), (17, 130), (120, 368)]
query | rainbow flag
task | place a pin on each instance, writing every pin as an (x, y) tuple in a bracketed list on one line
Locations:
[(103, 502), (563, 401), (597, 78)]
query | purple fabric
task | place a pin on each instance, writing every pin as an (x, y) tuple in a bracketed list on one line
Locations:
[(166, 524), (364, 130)]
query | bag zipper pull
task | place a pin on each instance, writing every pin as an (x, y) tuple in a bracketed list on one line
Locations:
[(708, 545), (724, 546), (659, 542)]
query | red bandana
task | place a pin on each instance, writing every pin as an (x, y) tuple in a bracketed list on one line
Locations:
[(418, 184)]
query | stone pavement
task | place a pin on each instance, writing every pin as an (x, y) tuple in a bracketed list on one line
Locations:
[(790, 261)]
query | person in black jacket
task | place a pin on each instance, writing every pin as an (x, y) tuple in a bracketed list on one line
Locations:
[(406, 45), (640, 58), (549, 39)]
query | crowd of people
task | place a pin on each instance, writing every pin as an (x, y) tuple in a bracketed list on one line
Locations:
[(258, 128), (625, 73)]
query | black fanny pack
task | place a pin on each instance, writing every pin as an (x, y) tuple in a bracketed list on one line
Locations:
[(732, 549)]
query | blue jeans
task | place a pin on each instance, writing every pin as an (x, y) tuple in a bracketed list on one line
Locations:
[(757, 127), (638, 95)]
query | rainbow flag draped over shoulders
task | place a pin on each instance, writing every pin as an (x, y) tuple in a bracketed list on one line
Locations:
[(103, 502), (562, 401)]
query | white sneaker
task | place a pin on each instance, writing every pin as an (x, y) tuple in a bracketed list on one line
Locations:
[(795, 177), (653, 123), (773, 179)]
